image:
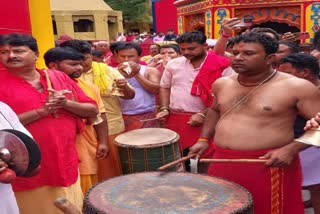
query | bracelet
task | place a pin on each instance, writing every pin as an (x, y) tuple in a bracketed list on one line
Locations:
[(164, 109), (201, 114), (203, 139), (224, 35)]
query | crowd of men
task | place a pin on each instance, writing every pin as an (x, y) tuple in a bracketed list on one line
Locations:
[(249, 98)]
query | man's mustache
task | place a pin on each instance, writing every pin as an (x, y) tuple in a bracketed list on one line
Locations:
[(14, 60)]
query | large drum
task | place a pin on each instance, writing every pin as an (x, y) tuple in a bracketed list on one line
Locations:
[(171, 192), (147, 149)]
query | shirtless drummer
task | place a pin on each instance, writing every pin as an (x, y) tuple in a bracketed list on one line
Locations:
[(252, 118)]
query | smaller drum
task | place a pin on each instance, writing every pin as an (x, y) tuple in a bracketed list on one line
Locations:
[(147, 149), (170, 192)]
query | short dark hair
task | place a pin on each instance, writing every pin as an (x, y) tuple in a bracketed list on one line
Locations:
[(294, 47), (17, 39), (316, 41), (230, 42), (155, 44), (175, 47), (192, 36), (301, 61), (114, 45), (81, 46), (269, 44), (96, 53), (267, 30), (61, 53), (129, 45)]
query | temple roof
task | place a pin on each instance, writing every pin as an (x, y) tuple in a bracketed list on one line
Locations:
[(67, 5), (180, 3)]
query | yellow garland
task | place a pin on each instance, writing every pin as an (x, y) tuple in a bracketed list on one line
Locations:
[(100, 76)]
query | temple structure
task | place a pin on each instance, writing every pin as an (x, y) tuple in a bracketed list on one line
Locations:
[(83, 19), (206, 15)]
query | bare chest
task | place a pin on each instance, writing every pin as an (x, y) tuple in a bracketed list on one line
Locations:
[(262, 101)]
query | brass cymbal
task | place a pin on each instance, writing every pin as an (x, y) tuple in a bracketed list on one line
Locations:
[(117, 92), (18, 157), (34, 154)]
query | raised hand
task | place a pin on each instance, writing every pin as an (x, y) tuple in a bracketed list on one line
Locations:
[(313, 122)]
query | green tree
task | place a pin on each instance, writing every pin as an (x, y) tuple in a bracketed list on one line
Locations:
[(133, 10)]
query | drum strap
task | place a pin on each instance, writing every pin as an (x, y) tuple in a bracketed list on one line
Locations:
[(246, 96)]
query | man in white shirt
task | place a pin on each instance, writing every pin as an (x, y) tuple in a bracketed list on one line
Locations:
[(9, 120)]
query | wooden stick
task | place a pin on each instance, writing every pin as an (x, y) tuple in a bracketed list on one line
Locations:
[(176, 162), (233, 160), (150, 119), (49, 85), (66, 207)]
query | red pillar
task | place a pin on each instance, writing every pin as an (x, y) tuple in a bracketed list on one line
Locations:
[(15, 17)]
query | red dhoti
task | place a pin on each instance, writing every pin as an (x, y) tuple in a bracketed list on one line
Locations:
[(189, 135), (274, 189), (136, 121)]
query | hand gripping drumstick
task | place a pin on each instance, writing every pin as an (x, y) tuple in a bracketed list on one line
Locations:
[(171, 164), (149, 119), (66, 207), (176, 162)]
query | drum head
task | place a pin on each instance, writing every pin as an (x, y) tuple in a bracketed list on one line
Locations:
[(19, 160), (147, 137), (33, 150), (156, 192)]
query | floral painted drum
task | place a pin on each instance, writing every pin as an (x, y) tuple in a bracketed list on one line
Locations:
[(167, 192)]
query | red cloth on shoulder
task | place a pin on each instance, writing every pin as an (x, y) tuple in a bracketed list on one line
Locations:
[(210, 71), (274, 189)]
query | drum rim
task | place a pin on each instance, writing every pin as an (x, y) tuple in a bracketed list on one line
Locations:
[(145, 146), (155, 145), (247, 206)]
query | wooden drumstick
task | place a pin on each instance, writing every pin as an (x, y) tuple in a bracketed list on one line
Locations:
[(232, 160), (66, 207), (49, 88), (149, 119), (49, 85), (176, 162)]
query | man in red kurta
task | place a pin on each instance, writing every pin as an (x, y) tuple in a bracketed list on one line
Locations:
[(51, 106)]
